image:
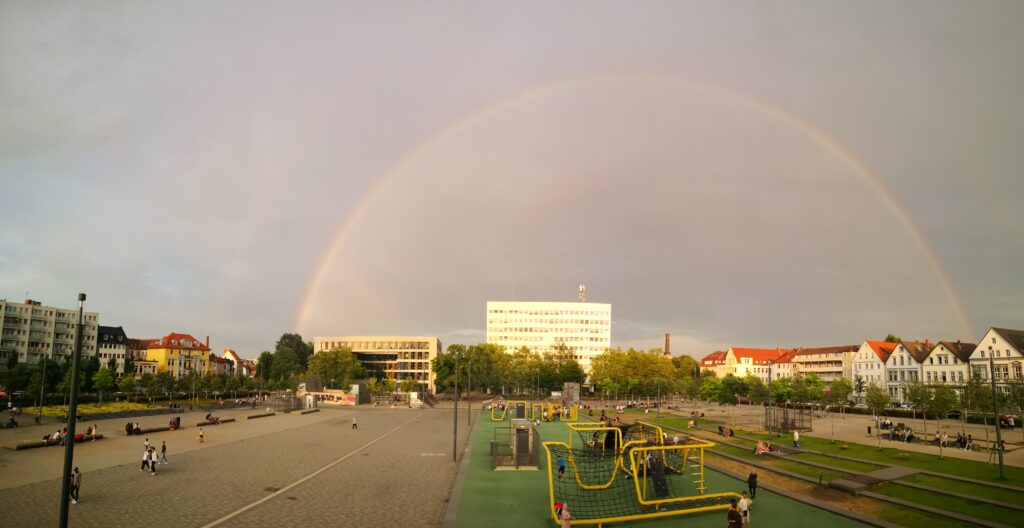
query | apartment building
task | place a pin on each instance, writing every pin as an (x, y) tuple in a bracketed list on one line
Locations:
[(180, 354), (829, 363), (905, 364), (31, 331)]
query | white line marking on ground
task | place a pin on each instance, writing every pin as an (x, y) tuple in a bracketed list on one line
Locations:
[(307, 477)]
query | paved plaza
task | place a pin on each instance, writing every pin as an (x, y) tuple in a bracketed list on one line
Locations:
[(284, 470)]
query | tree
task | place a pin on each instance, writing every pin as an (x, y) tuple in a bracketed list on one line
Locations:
[(127, 384), (942, 401), (232, 384), (103, 380), (264, 365), (295, 343), (920, 396), (731, 388), (840, 390), (1015, 396), (756, 389), (859, 385), (336, 368), (709, 388), (890, 338), (409, 385), (877, 400), (286, 363)]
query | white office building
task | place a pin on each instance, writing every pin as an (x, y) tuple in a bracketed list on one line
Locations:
[(585, 329), (32, 331)]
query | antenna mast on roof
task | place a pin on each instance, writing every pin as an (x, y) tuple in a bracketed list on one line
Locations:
[(583, 293)]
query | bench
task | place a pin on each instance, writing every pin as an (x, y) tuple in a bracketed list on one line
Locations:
[(307, 411), (218, 422), (30, 444), (262, 415)]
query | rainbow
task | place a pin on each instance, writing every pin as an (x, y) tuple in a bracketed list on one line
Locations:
[(818, 136)]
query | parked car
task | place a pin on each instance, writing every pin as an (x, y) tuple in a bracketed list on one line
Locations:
[(953, 415), (860, 406)]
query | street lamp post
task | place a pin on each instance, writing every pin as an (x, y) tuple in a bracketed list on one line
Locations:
[(995, 412), (455, 416), (659, 388), (469, 391), (767, 410), (42, 389), (69, 445)]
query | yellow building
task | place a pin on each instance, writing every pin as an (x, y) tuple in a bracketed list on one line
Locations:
[(180, 354)]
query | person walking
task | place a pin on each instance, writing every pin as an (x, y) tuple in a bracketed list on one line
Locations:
[(752, 483), (152, 461), (145, 459), (201, 435), (744, 508), (76, 484), (163, 452), (355, 425), (733, 515)]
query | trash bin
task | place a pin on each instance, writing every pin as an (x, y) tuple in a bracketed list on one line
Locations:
[(869, 430)]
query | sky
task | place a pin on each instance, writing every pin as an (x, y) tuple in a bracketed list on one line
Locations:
[(753, 174)]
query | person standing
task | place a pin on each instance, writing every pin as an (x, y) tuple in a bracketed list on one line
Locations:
[(355, 425), (733, 516), (566, 517), (752, 483), (163, 452), (201, 435), (744, 507), (561, 467), (796, 438), (76, 484)]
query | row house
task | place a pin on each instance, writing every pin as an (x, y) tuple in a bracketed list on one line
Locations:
[(112, 348), (829, 363), (904, 365), (947, 364), (869, 362), (1005, 349)]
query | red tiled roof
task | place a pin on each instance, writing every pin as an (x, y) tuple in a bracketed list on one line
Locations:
[(760, 356), (787, 356), (712, 359), (175, 341), (883, 349)]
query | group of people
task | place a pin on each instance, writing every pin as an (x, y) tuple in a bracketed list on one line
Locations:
[(132, 428), (149, 456), (762, 447), (60, 436), (903, 434), (724, 431), (174, 424)]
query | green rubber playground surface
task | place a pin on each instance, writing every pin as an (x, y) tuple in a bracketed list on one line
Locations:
[(519, 499)]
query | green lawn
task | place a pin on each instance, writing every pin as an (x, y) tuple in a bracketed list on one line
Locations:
[(861, 467), (967, 507), (889, 454), (966, 488)]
